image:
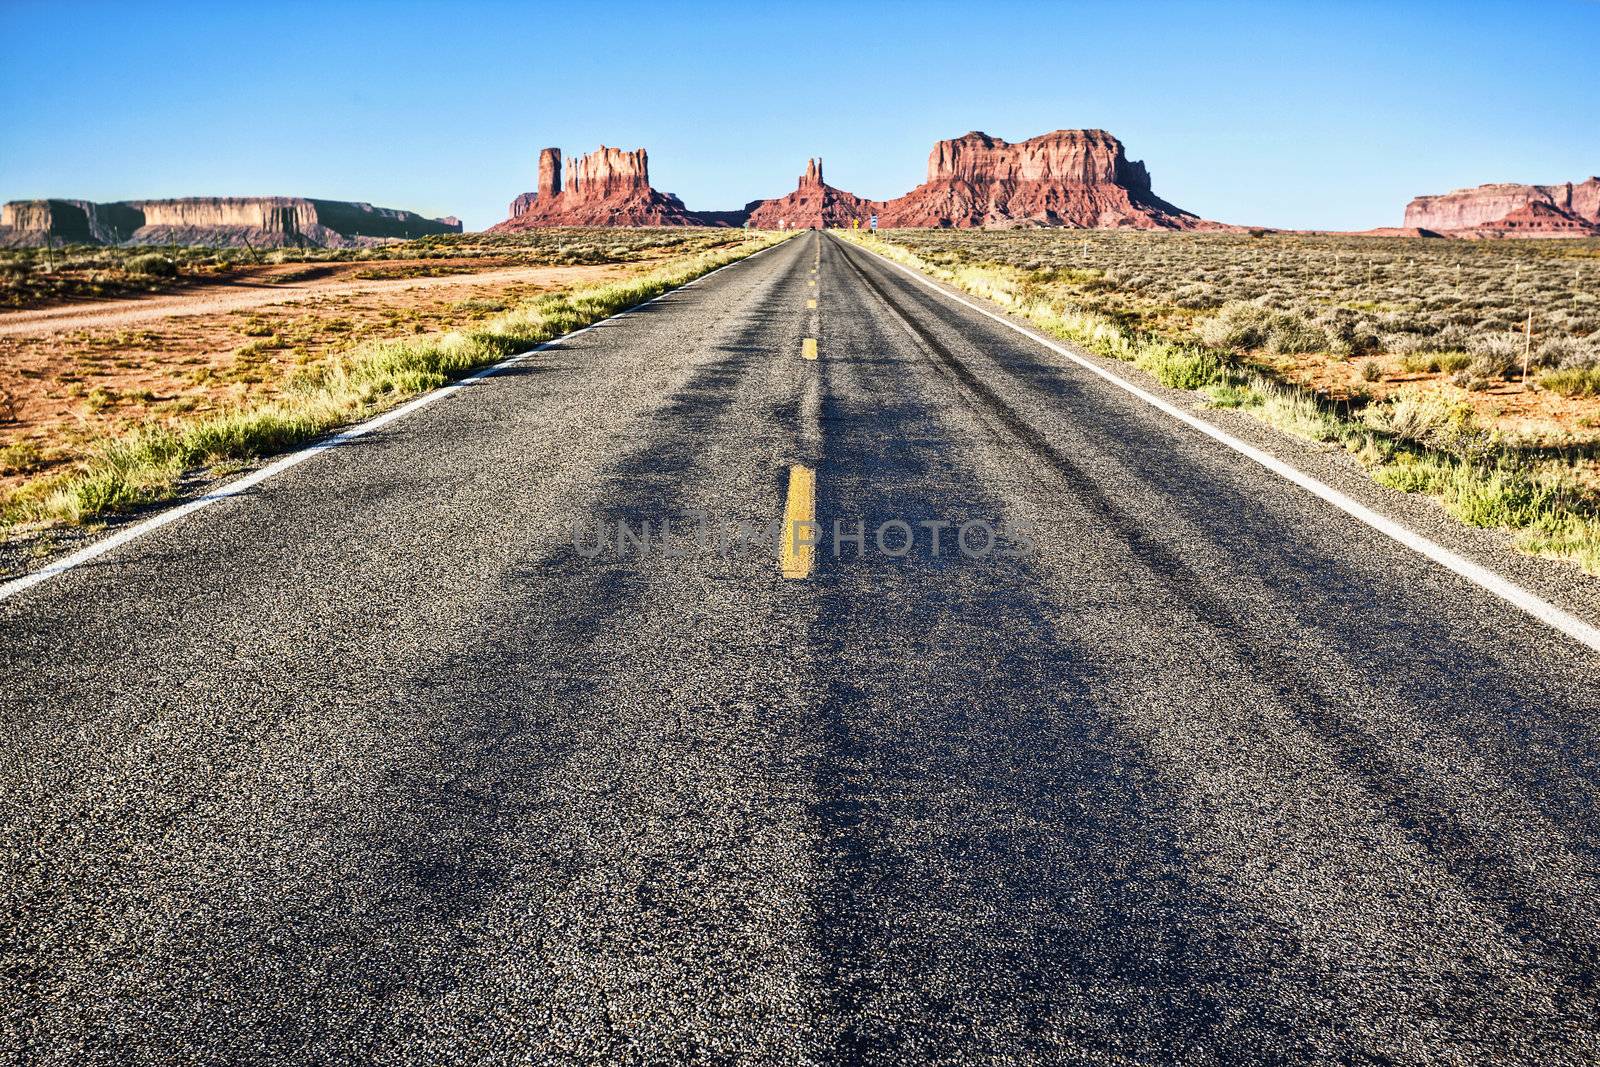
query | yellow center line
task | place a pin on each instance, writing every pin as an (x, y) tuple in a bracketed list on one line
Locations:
[(811, 281), (811, 303), (808, 348), (797, 554)]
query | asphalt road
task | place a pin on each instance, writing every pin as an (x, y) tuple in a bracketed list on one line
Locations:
[(390, 759)]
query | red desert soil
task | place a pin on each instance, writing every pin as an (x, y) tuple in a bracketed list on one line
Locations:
[(1529, 414), (72, 373)]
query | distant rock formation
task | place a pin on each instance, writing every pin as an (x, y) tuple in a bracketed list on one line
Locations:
[(1534, 219), (33, 222), (607, 187), (1071, 178), (732, 217), (1506, 209), (813, 205), (261, 221), (1377, 231)]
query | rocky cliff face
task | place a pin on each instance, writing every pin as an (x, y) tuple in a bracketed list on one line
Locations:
[(611, 172), (549, 172), (29, 222), (1584, 200), (1504, 208), (1535, 219), (1074, 178), (813, 205), (607, 187), (1081, 157), (264, 222)]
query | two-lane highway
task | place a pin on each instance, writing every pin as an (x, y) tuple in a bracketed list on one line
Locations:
[(507, 733)]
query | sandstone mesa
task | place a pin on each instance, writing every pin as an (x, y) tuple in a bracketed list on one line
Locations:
[(1080, 179), (1505, 209), (260, 221)]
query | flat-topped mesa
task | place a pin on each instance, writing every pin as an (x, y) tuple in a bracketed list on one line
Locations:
[(38, 222), (259, 221), (1073, 178), (1085, 157), (606, 187), (1570, 209)]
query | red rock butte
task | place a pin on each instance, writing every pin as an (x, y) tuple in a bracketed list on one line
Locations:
[(1070, 178), (1081, 179), (1505, 209), (607, 187), (813, 205)]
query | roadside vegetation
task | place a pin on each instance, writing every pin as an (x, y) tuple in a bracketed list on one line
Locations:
[(1468, 371), (32, 277), (148, 462)]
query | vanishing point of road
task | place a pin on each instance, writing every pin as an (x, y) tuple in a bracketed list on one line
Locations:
[(438, 748)]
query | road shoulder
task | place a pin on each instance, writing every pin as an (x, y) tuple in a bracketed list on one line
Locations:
[(1564, 585)]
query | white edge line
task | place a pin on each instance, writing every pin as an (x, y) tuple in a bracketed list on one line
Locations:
[(1479, 575), (255, 478)]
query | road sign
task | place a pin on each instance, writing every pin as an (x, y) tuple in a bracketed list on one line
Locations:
[(874, 223)]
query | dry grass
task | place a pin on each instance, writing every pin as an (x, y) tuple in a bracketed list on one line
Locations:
[(31, 277), (1400, 350), (79, 382), (143, 463)]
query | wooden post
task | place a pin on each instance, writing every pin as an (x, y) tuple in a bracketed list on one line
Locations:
[(1527, 348)]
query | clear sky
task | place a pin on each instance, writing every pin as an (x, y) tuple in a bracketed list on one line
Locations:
[(1282, 114)]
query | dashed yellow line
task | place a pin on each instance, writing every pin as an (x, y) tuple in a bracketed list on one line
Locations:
[(797, 554)]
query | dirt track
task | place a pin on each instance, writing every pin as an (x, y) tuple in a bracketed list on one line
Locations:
[(71, 374), (248, 293)]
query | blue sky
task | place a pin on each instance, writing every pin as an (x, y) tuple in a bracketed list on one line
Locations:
[(1282, 114)]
